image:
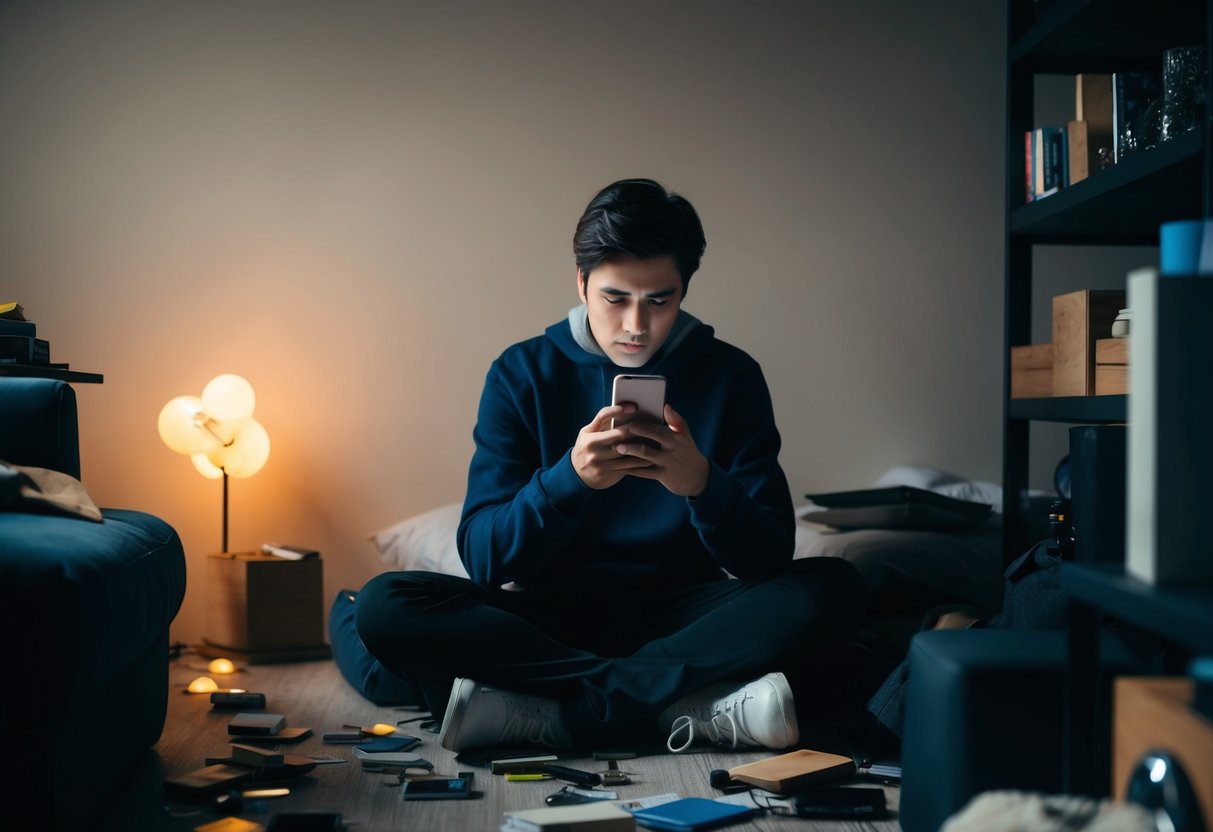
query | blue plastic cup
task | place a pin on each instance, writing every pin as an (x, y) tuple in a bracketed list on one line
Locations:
[(1179, 247)]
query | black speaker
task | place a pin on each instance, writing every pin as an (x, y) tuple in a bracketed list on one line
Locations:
[(1097, 492), (1160, 784)]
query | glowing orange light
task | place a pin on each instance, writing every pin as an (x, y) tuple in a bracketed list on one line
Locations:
[(203, 684)]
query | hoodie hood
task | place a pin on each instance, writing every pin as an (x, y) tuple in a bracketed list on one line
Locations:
[(573, 338)]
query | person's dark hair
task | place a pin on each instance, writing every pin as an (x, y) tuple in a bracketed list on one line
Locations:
[(640, 218)]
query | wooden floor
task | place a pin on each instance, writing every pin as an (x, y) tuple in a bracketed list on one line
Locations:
[(314, 695)]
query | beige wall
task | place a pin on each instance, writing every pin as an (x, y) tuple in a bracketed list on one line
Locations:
[(357, 205)]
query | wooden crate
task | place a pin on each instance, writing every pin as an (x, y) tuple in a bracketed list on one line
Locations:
[(1154, 713), (1111, 366), (260, 606), (1079, 320), (1031, 371)]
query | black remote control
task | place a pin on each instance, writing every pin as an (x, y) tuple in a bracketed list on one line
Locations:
[(244, 701)]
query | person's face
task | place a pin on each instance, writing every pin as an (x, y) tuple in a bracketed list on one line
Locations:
[(632, 305)]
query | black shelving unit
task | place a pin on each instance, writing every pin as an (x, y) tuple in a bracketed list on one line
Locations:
[(43, 371), (1123, 205), (1178, 617)]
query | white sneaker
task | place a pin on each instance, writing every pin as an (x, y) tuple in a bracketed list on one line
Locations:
[(478, 716), (761, 713)]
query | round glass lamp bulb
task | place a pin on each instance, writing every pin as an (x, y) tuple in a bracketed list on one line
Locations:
[(246, 455), (228, 398), (221, 666), (178, 425), (203, 684), (205, 467)]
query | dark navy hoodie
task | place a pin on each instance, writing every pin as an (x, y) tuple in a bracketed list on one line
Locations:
[(528, 517)]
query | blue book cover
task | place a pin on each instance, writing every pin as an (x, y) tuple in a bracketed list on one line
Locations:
[(691, 813)]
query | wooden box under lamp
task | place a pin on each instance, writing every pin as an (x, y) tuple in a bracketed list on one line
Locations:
[(262, 609)]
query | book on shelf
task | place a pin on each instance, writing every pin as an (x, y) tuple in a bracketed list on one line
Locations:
[(1093, 106), (1132, 95), (1029, 178), (11, 326), (23, 349), (1049, 161), (1077, 151)]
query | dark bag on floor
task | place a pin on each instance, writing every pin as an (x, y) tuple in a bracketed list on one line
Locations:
[(1032, 600)]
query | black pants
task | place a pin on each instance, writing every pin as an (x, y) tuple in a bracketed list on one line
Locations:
[(614, 658)]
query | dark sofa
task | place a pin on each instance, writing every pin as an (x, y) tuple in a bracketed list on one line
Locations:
[(85, 609)]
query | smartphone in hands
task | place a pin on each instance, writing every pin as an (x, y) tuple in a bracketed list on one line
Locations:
[(646, 392)]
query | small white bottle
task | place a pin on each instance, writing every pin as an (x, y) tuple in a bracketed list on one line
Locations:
[(1120, 326)]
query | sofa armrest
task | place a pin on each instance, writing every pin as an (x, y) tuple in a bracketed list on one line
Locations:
[(38, 424)]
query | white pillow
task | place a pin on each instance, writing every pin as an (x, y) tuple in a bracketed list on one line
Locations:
[(919, 567), (425, 542)]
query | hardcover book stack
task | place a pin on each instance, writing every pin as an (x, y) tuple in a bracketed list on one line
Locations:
[(1114, 116), (19, 341)]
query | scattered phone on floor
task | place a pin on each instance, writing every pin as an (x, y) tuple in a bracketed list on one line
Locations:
[(839, 802), (448, 788)]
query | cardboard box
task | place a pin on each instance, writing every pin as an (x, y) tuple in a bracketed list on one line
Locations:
[(1155, 713), (1111, 366), (1079, 320), (1031, 371), (264, 608)]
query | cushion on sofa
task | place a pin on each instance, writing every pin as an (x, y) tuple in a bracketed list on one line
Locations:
[(89, 606), (97, 594), (40, 425)]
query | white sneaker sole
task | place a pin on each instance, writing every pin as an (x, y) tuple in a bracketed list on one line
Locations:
[(462, 692)]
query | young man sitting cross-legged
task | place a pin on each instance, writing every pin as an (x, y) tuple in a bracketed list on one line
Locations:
[(598, 605)]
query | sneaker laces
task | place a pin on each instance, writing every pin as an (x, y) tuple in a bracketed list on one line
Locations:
[(711, 727)]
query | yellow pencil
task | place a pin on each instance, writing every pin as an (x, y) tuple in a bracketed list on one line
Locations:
[(515, 777)]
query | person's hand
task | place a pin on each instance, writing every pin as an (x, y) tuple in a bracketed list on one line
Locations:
[(677, 463), (595, 456)]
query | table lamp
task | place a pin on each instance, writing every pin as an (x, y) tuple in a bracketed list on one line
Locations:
[(260, 608), (218, 432)]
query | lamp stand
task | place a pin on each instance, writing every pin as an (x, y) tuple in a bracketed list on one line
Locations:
[(224, 549)]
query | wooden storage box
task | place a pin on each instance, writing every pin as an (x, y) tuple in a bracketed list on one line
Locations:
[(1031, 371), (1111, 366), (1155, 713), (1079, 320), (264, 608)]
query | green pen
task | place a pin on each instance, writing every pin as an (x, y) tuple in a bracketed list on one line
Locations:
[(515, 777)]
